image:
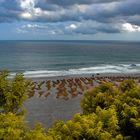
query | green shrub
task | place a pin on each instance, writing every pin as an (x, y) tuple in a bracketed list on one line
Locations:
[(125, 100), (12, 92), (101, 125)]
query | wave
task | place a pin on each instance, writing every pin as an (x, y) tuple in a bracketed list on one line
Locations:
[(121, 68)]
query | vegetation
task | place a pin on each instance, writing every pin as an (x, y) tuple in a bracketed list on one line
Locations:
[(125, 100), (101, 125), (109, 113), (12, 92), (12, 127)]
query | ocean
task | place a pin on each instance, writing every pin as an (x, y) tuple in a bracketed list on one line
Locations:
[(36, 59)]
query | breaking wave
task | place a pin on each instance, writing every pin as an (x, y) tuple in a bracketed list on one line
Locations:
[(121, 68)]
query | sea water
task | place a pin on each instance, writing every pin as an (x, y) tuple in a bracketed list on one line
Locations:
[(60, 58)]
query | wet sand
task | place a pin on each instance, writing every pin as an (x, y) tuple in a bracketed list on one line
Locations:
[(58, 98), (47, 111)]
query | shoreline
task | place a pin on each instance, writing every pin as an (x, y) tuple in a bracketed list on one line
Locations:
[(97, 75)]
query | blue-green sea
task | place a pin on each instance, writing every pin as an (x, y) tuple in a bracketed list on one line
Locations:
[(61, 58)]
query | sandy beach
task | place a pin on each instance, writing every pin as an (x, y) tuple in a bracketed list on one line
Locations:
[(58, 98)]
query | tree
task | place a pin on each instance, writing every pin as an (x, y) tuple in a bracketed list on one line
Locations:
[(37, 133), (11, 127), (102, 95), (13, 92), (3, 87), (125, 100), (127, 85), (101, 125)]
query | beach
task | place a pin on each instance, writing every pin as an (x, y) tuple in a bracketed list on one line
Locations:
[(58, 98)]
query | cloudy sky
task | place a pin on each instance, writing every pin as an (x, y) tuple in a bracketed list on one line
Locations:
[(70, 19)]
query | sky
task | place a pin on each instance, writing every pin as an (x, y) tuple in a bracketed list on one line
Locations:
[(70, 20)]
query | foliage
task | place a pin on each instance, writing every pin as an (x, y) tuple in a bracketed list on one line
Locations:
[(38, 133), (125, 100), (11, 127), (102, 96), (12, 92), (127, 85), (3, 87), (101, 125)]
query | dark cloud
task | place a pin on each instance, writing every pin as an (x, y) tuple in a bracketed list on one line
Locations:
[(113, 11), (8, 15), (106, 15), (48, 7), (134, 20), (9, 11), (128, 8), (89, 27), (72, 2), (9, 5), (106, 11), (108, 29)]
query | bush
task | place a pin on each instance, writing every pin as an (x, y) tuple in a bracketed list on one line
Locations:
[(102, 96), (125, 100), (11, 127), (101, 125), (12, 92)]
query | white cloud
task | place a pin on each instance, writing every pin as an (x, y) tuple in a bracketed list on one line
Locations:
[(37, 29), (80, 7), (55, 32), (26, 15), (20, 30), (71, 27), (27, 4), (30, 28), (34, 26), (130, 27), (29, 10)]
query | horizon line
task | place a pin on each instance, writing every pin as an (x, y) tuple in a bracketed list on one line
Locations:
[(67, 40)]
